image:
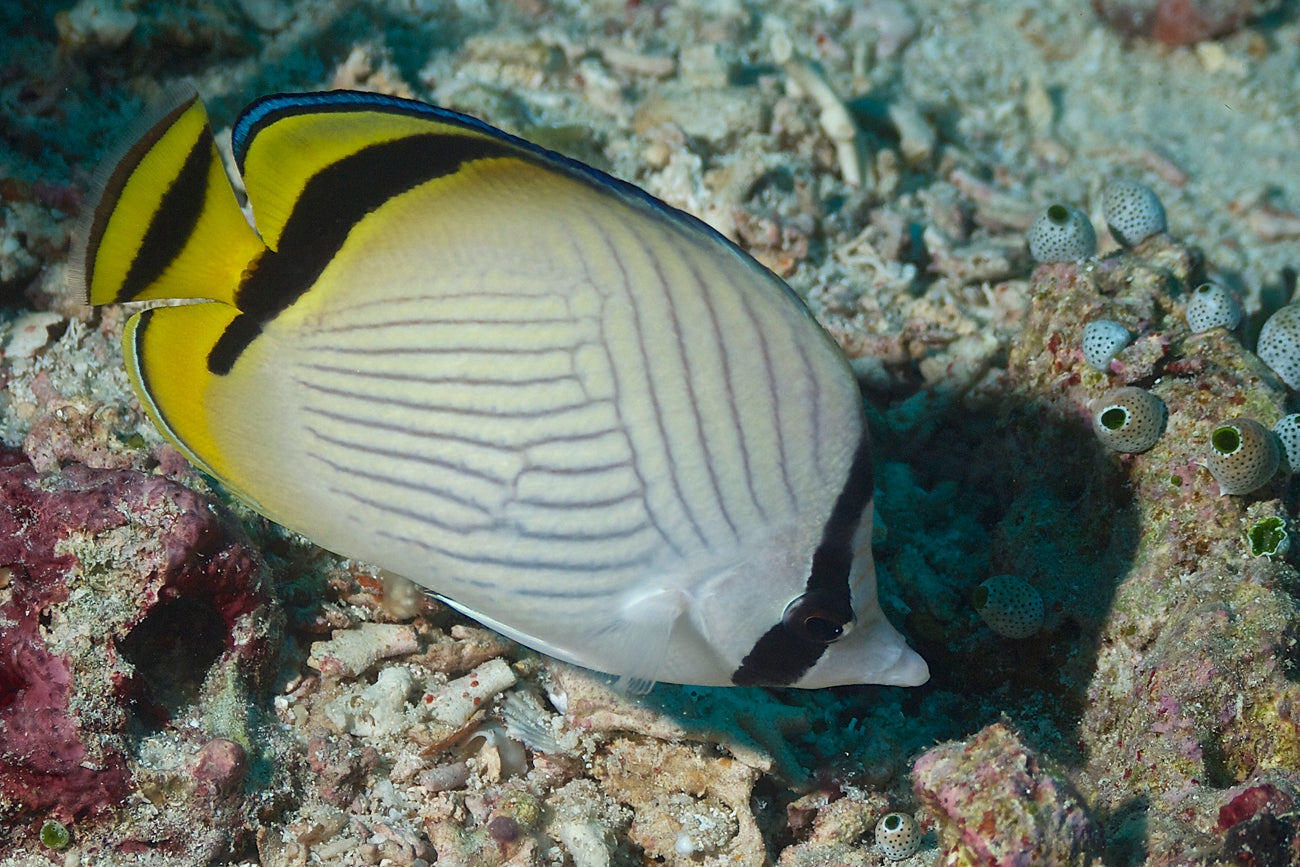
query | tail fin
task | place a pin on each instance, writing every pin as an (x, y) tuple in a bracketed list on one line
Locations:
[(165, 222)]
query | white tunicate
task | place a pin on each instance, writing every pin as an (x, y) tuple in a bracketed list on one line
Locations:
[(1102, 341), (1243, 455), (1128, 419), (1288, 434), (1212, 306), (1062, 233), (898, 836), (1279, 344), (1133, 212), (1011, 606)]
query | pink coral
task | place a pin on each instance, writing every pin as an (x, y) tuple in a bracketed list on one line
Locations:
[(998, 806), (80, 591), (1177, 22)]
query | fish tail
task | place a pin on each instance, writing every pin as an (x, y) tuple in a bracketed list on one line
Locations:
[(165, 222)]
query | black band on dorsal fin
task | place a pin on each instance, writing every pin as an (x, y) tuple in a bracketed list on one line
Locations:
[(332, 203)]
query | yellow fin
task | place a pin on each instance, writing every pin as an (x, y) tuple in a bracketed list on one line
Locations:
[(165, 222), (166, 351)]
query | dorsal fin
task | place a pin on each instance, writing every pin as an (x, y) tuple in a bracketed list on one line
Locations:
[(281, 142), (163, 220)]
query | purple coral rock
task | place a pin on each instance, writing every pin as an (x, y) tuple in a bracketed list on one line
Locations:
[(1177, 22), (1262, 827), (46, 762), (89, 555), (996, 805), (219, 767)]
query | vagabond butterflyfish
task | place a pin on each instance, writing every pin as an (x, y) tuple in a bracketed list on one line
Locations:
[(572, 412)]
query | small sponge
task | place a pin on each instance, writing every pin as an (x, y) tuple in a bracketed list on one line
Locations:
[(1279, 344), (1243, 455), (1128, 419), (1212, 306), (898, 836), (1133, 212), (1062, 234), (1011, 606), (1288, 435), (1102, 341)]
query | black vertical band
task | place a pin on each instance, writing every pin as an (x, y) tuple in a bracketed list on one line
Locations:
[(782, 655), (173, 223)]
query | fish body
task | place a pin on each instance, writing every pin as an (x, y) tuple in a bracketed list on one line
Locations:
[(574, 413)]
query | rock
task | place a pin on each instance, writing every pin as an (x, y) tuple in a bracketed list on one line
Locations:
[(997, 804), (1177, 22)]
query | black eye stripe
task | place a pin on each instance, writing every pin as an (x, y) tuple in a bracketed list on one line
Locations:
[(784, 654), (817, 618)]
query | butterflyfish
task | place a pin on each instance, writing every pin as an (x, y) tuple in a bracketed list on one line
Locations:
[(572, 412)]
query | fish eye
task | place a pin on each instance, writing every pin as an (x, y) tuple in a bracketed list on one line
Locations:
[(816, 620)]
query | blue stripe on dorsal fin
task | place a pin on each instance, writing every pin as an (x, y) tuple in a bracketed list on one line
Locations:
[(268, 109)]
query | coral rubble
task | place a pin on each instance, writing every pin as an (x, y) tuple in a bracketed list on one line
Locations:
[(182, 683), (997, 805)]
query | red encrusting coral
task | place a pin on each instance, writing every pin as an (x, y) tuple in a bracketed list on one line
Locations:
[(63, 745), (1252, 801), (1176, 22), (1262, 829)]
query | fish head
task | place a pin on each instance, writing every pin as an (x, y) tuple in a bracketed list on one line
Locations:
[(775, 626)]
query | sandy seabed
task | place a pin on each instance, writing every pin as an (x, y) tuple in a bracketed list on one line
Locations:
[(183, 683)]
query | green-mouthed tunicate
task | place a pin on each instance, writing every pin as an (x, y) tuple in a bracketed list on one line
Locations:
[(1243, 455), (1010, 605), (1133, 212), (1128, 419), (1279, 344), (1287, 430), (1102, 341), (1268, 537), (898, 836), (55, 835), (1212, 306)]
